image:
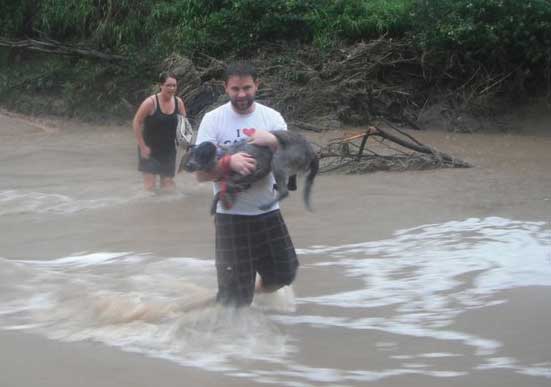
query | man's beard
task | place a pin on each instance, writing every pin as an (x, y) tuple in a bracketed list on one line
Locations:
[(242, 104)]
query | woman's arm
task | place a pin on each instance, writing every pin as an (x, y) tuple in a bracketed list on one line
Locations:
[(144, 110), (181, 106)]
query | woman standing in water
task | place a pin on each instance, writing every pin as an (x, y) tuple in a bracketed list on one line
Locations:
[(155, 125)]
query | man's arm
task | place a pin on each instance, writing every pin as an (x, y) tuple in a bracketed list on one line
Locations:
[(241, 162), (264, 138)]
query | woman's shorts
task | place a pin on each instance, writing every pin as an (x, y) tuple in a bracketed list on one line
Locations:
[(165, 166), (246, 245)]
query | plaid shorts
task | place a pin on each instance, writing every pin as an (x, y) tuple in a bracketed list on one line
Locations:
[(246, 245)]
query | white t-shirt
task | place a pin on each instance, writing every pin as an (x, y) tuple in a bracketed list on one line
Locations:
[(223, 126)]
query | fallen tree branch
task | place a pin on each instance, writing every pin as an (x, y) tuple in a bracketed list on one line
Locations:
[(351, 154), (58, 48), (418, 148)]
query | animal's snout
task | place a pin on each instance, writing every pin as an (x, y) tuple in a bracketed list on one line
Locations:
[(200, 157), (191, 165)]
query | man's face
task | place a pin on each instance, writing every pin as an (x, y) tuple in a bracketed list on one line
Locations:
[(241, 91)]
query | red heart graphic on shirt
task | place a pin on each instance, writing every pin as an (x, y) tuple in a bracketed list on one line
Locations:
[(249, 131)]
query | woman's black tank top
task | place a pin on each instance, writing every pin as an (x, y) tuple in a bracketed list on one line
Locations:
[(160, 132)]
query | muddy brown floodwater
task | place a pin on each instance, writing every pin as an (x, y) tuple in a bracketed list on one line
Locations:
[(422, 278)]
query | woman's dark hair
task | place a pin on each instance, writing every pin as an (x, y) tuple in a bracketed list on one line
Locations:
[(240, 69), (165, 75)]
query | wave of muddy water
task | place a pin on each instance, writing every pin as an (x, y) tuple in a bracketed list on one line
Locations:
[(425, 278), (416, 286)]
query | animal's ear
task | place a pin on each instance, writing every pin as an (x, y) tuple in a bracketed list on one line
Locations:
[(206, 151), (211, 150)]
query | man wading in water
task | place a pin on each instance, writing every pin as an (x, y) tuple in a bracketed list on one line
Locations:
[(248, 240)]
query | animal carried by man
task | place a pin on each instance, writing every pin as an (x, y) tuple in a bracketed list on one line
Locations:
[(294, 155)]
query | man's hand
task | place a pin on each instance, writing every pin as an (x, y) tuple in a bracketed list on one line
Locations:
[(263, 138), (242, 163)]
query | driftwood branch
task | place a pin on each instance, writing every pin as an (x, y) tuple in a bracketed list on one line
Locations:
[(352, 155), (58, 48), (418, 147)]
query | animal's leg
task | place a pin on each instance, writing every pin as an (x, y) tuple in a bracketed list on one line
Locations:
[(292, 183), (280, 176), (309, 181), (214, 203), (227, 200)]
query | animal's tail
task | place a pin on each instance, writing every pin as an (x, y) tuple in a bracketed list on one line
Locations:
[(309, 181)]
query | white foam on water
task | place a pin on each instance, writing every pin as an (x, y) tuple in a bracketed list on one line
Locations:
[(414, 285), (430, 275), (138, 303), (13, 202)]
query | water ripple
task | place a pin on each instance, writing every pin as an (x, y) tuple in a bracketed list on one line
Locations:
[(394, 297)]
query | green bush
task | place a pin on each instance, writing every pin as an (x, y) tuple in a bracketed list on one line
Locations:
[(520, 30), (488, 32), (354, 20), (15, 17), (212, 26), (512, 30), (217, 27)]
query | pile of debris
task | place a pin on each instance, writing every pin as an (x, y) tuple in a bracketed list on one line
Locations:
[(379, 82), (387, 150)]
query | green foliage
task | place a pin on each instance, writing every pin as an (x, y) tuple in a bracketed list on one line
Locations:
[(213, 26), (238, 26), (121, 26), (354, 20), (153, 28), (15, 17), (512, 30), (71, 86), (517, 33)]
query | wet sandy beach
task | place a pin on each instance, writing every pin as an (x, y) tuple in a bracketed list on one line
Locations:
[(421, 278)]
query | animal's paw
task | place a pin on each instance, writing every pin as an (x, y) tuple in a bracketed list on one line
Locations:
[(292, 185)]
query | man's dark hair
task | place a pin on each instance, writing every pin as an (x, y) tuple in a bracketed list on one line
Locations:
[(240, 69)]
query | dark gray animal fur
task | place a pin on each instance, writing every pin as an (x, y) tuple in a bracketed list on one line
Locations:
[(294, 155)]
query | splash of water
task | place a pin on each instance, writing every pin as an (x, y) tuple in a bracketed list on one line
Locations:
[(136, 302), (414, 285), (13, 202)]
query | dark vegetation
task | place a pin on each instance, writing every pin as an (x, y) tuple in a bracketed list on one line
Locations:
[(324, 63)]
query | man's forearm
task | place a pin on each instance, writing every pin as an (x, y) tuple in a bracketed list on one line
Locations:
[(264, 138), (221, 168)]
